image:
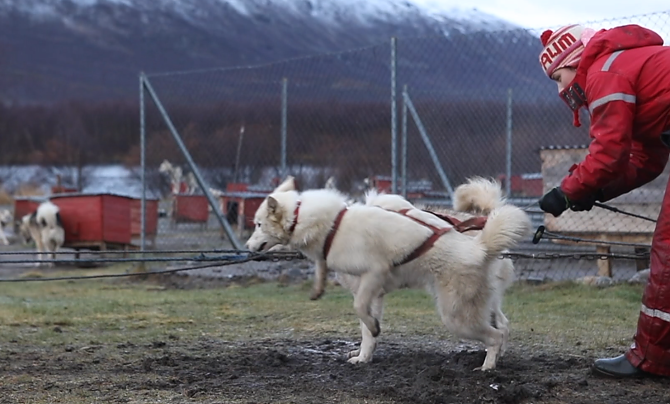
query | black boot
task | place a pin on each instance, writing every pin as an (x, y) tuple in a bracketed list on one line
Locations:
[(616, 367)]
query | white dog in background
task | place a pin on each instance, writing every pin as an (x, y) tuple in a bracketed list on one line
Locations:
[(375, 251), (44, 226), (5, 219)]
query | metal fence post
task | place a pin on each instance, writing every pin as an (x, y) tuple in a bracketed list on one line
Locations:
[(142, 166), (394, 125), (238, 152), (429, 145), (284, 109), (201, 182), (403, 151), (508, 162)]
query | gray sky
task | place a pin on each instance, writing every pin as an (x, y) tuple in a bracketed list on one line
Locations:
[(552, 13)]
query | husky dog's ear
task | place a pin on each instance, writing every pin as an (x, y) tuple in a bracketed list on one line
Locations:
[(287, 185), (274, 210)]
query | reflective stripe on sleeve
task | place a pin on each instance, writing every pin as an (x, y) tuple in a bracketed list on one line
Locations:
[(610, 60), (611, 97)]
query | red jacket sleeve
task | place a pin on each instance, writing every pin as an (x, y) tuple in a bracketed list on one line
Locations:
[(645, 164), (612, 107)]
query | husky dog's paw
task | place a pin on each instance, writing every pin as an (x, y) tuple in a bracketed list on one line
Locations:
[(353, 353), (316, 294), (359, 359)]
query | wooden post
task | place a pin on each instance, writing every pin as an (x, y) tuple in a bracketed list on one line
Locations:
[(642, 263), (604, 265)]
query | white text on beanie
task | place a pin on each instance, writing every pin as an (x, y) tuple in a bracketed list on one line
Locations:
[(562, 48)]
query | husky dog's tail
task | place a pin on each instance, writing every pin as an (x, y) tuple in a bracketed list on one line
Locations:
[(479, 196), (504, 228)]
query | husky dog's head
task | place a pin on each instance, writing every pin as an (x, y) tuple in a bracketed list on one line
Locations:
[(273, 220)]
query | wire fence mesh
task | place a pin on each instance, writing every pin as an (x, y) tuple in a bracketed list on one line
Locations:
[(416, 116), (479, 105)]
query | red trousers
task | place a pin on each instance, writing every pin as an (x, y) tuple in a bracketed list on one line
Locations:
[(650, 351)]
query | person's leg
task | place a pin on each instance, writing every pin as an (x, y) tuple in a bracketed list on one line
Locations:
[(650, 351)]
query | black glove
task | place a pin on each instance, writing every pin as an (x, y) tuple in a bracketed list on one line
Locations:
[(555, 202), (586, 203)]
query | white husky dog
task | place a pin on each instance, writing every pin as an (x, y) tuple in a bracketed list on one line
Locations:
[(477, 197), (383, 250), (5, 219), (45, 227)]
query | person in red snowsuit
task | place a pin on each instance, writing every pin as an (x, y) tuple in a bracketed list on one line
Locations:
[(622, 76)]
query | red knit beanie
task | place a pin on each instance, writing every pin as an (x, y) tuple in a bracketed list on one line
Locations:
[(562, 48)]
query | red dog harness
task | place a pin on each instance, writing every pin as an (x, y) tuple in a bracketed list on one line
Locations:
[(295, 217), (474, 223), (331, 233)]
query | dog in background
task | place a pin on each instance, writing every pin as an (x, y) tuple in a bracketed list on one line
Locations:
[(45, 228), (375, 251), (5, 219)]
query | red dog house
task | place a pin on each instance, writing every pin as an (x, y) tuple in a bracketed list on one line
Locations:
[(240, 207), (190, 209), (25, 205), (150, 217), (95, 221)]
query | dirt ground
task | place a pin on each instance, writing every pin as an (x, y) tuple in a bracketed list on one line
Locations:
[(289, 371), (305, 371)]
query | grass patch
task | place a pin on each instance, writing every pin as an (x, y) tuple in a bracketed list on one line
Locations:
[(560, 316), (572, 315)]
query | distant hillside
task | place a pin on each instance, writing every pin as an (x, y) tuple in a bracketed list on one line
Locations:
[(54, 50)]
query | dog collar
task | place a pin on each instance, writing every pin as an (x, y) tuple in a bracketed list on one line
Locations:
[(295, 217)]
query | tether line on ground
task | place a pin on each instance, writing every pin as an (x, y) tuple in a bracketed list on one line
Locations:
[(202, 257), (157, 252), (251, 257)]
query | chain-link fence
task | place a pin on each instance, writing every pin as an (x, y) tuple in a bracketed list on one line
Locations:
[(416, 116)]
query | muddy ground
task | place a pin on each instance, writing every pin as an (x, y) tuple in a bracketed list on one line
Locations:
[(289, 371), (306, 371)]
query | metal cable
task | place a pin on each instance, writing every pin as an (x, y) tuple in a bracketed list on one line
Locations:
[(98, 252), (250, 257), (286, 256)]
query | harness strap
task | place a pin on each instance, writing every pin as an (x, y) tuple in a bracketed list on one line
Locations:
[(425, 246), (421, 222), (331, 234), (473, 223), (295, 217)]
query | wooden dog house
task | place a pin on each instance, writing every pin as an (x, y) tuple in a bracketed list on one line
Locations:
[(150, 215), (25, 205), (239, 208), (188, 208), (95, 221)]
